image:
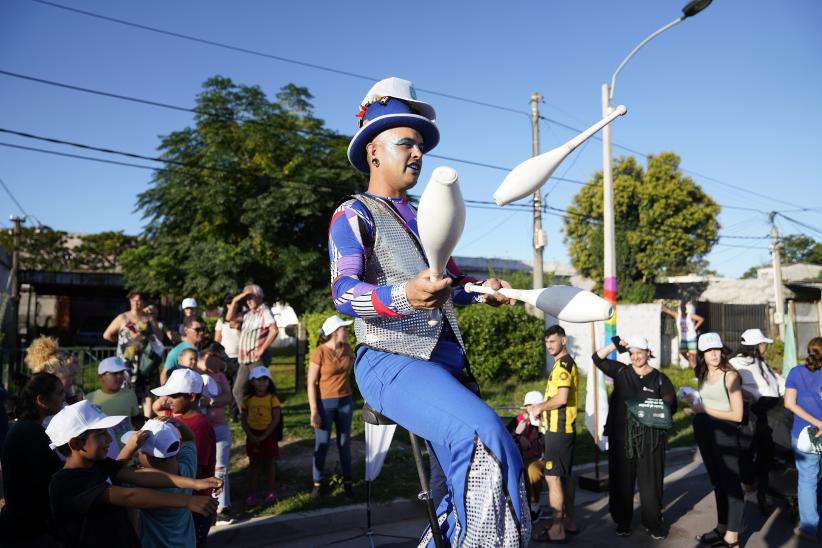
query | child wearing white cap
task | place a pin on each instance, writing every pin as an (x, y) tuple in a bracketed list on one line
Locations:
[(530, 440), (180, 397), (87, 499), (262, 423), (113, 399), (167, 445)]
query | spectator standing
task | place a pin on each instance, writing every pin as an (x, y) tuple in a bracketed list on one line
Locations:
[(803, 398), (631, 463), (257, 333), (211, 364), (180, 398), (28, 465), (262, 423), (329, 397), (137, 335), (718, 412), (176, 332), (559, 412), (762, 389), (227, 333), (194, 332), (688, 322), (86, 496), (113, 399)]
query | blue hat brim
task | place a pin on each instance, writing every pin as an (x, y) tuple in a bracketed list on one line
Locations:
[(356, 148)]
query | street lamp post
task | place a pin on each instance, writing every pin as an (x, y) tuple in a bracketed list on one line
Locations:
[(609, 231)]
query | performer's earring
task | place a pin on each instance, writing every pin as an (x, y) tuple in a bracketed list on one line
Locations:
[(375, 162)]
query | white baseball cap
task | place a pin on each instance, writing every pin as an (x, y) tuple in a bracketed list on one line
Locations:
[(77, 418), (640, 343), (752, 337), (210, 388), (259, 372), (163, 440), (709, 341), (189, 302), (113, 364), (332, 324), (181, 381), (532, 397)]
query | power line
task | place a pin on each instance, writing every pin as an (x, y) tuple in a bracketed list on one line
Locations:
[(801, 224), (13, 199), (271, 56)]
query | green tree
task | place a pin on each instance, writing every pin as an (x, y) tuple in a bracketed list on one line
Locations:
[(665, 225), (248, 198), (800, 249), (40, 249), (101, 251)]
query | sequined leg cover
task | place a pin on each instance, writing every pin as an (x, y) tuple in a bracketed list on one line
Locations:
[(486, 504)]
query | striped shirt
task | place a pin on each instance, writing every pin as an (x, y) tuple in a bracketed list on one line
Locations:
[(563, 375), (256, 327), (350, 241)]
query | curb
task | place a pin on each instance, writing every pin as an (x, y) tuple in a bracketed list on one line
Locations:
[(263, 530)]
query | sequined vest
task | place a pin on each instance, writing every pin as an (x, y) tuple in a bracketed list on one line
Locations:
[(395, 258)]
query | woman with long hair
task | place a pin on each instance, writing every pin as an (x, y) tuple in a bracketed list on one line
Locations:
[(762, 389), (803, 398), (718, 412), (329, 396)]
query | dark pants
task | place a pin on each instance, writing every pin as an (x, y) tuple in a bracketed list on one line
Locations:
[(201, 526), (718, 443), (624, 473), (757, 447)]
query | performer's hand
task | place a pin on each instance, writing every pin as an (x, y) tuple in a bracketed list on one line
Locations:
[(497, 298), (316, 421), (423, 294)]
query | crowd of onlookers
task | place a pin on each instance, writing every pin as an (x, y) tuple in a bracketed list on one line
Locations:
[(143, 460)]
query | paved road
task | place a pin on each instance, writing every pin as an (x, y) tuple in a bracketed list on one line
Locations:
[(690, 509)]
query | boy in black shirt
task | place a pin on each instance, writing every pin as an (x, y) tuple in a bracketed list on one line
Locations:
[(89, 507)]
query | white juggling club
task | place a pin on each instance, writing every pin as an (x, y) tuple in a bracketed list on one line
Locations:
[(531, 174), (570, 304), (440, 220)]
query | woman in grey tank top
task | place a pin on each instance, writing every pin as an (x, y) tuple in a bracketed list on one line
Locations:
[(717, 415)]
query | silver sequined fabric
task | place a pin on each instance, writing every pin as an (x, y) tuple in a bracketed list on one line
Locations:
[(394, 260)]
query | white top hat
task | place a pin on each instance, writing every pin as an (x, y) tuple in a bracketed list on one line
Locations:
[(181, 381), (640, 343), (752, 337), (77, 418), (163, 440), (189, 302), (709, 341), (332, 324), (111, 365), (259, 372)]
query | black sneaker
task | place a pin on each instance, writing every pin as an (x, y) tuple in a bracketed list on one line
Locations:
[(623, 530), (659, 534)]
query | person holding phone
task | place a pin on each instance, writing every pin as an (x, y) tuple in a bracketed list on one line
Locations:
[(629, 464)]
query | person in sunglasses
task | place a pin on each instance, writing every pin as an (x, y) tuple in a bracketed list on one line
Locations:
[(194, 331)]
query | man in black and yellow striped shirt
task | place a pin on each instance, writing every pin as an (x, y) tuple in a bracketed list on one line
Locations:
[(559, 413)]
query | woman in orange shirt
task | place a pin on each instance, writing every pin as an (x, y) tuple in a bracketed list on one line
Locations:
[(329, 396)]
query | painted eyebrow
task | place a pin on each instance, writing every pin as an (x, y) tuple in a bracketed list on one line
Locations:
[(408, 141)]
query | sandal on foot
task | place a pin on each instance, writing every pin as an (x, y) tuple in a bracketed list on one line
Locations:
[(711, 537), (544, 536)]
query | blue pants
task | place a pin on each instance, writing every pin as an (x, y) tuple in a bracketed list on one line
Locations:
[(481, 462), (807, 465), (337, 412)]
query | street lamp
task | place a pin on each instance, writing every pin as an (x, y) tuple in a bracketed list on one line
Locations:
[(609, 234)]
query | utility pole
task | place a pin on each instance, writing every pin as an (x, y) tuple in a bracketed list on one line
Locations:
[(15, 272), (540, 237), (779, 298)]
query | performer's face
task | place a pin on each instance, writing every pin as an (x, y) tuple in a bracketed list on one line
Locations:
[(399, 151)]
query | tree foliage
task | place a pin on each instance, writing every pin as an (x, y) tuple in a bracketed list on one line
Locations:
[(800, 249), (56, 250), (248, 198), (665, 225)]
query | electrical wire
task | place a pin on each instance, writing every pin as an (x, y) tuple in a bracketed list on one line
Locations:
[(13, 198)]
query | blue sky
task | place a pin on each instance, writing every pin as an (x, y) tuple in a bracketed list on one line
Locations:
[(733, 91)]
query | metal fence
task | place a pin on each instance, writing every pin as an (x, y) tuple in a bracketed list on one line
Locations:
[(13, 368), (730, 320)]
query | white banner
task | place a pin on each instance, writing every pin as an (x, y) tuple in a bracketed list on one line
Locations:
[(377, 441), (596, 396)]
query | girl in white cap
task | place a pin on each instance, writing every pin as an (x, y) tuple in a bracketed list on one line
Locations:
[(329, 396), (762, 389), (717, 416)]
